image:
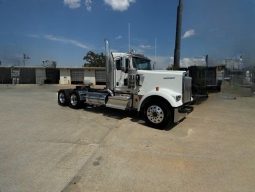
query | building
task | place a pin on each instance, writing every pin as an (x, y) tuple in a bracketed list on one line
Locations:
[(62, 75)]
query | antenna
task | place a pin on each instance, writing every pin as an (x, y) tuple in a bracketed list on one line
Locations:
[(155, 56), (129, 37)]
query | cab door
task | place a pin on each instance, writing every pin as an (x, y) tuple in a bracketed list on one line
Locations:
[(121, 74)]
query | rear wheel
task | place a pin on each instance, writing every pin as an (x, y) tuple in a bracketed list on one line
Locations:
[(62, 99), (157, 114), (75, 101)]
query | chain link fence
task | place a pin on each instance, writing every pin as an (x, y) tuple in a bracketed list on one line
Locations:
[(240, 82)]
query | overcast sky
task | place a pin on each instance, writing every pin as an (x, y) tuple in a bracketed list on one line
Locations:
[(65, 30)]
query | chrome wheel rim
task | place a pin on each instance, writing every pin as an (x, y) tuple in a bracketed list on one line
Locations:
[(62, 98), (74, 100), (155, 114)]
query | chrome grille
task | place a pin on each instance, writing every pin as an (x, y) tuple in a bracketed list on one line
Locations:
[(187, 93)]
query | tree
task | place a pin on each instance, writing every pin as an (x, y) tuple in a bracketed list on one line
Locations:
[(169, 68), (94, 60)]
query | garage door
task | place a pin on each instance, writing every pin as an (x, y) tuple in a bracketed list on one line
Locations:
[(52, 76), (5, 75), (40, 76), (27, 76), (77, 76), (100, 77)]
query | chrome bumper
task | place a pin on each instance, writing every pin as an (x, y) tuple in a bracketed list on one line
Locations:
[(180, 113)]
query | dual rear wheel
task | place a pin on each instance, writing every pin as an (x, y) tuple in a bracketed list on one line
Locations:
[(73, 100), (62, 98)]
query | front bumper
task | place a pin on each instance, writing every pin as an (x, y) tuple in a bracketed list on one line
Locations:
[(181, 112)]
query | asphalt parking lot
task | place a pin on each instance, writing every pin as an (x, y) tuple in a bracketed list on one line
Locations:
[(48, 148)]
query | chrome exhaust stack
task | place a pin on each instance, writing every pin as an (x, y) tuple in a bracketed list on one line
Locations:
[(109, 67)]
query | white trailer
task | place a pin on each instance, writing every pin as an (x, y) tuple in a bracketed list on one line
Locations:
[(159, 96)]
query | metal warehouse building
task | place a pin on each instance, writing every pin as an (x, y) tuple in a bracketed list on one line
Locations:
[(62, 75)]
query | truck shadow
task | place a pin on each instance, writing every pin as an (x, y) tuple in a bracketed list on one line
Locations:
[(114, 113), (199, 99), (120, 114)]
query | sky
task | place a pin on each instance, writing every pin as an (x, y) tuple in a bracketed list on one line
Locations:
[(65, 30)]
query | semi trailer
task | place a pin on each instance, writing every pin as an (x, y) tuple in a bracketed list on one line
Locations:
[(159, 96)]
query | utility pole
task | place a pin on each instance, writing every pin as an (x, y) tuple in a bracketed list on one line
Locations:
[(206, 69), (177, 50)]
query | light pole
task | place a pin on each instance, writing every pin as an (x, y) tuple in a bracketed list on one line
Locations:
[(177, 50)]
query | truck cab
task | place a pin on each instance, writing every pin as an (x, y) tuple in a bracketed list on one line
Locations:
[(125, 62)]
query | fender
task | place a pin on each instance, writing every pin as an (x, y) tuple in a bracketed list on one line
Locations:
[(167, 94)]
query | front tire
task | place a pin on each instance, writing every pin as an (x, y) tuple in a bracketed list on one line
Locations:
[(157, 114)]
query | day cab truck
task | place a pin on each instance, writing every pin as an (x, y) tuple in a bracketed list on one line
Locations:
[(159, 96)]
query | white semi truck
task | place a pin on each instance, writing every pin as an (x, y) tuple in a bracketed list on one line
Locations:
[(159, 96)]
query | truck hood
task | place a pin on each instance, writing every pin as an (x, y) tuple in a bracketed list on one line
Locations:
[(171, 80), (161, 72)]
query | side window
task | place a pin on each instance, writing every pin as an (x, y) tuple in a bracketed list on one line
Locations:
[(118, 63)]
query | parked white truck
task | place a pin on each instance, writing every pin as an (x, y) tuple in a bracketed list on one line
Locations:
[(131, 84)]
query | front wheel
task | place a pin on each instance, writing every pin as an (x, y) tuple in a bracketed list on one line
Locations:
[(157, 114)]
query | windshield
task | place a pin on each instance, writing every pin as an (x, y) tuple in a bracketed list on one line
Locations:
[(141, 63)]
